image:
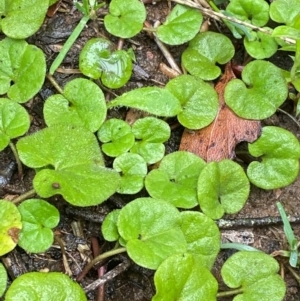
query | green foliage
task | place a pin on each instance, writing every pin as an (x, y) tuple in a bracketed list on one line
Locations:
[(82, 104), (198, 99), (125, 18), (22, 69), (260, 283), (109, 227), (279, 152), (22, 18), (223, 187), (181, 25), (284, 11), (14, 121), (10, 226), (3, 279), (203, 53), (261, 91), (98, 60), (38, 286), (38, 218), (181, 277), (70, 163)]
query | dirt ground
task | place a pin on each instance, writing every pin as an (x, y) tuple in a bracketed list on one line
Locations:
[(136, 283)]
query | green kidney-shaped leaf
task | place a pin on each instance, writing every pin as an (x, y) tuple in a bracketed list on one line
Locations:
[(10, 226), (256, 274), (175, 181), (109, 227), (98, 60), (254, 11), (38, 286), (181, 25), (117, 137), (153, 100), (198, 99), (72, 165), (202, 236), (181, 277), (81, 104), (3, 279), (14, 121), (279, 150), (22, 69), (284, 11), (125, 18), (38, 218), (152, 230), (286, 32), (261, 92), (22, 18), (204, 52), (222, 187)]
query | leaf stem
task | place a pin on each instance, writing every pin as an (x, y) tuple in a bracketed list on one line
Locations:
[(289, 115), (19, 164), (55, 84), (24, 196), (230, 293)]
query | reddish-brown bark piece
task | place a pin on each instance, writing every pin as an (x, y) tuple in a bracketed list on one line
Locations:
[(218, 140)]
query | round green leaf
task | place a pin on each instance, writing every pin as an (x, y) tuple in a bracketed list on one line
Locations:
[(38, 218), (109, 226), (3, 279), (152, 230), (175, 181), (204, 52), (133, 169), (262, 46), (181, 25), (81, 104), (22, 18), (202, 236), (181, 277), (284, 11), (125, 18), (117, 137), (98, 60), (10, 226), (37, 286), (222, 187), (72, 165), (14, 121), (22, 69), (261, 92), (153, 100), (256, 274), (279, 150), (286, 32), (254, 11), (198, 99)]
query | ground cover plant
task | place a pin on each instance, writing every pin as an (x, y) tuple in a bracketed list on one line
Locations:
[(87, 156)]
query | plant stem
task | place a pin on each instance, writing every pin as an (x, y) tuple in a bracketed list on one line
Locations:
[(68, 44), (289, 115), (19, 164), (24, 196), (55, 84), (230, 293)]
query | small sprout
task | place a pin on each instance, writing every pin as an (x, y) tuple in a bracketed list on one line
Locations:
[(10, 226), (279, 151), (133, 169), (14, 121), (223, 187), (150, 133), (22, 69), (82, 104), (181, 25), (261, 91), (44, 287), (204, 52), (182, 277), (117, 137), (125, 18), (38, 219), (3, 279), (255, 273), (153, 100), (284, 11), (98, 60), (152, 230), (175, 181), (109, 226), (198, 99)]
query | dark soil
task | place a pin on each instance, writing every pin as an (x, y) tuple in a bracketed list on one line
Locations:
[(136, 283)]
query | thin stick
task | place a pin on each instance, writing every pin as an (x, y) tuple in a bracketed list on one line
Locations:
[(19, 163), (55, 84), (24, 196)]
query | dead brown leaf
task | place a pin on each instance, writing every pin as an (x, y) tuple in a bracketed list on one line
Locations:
[(218, 140)]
